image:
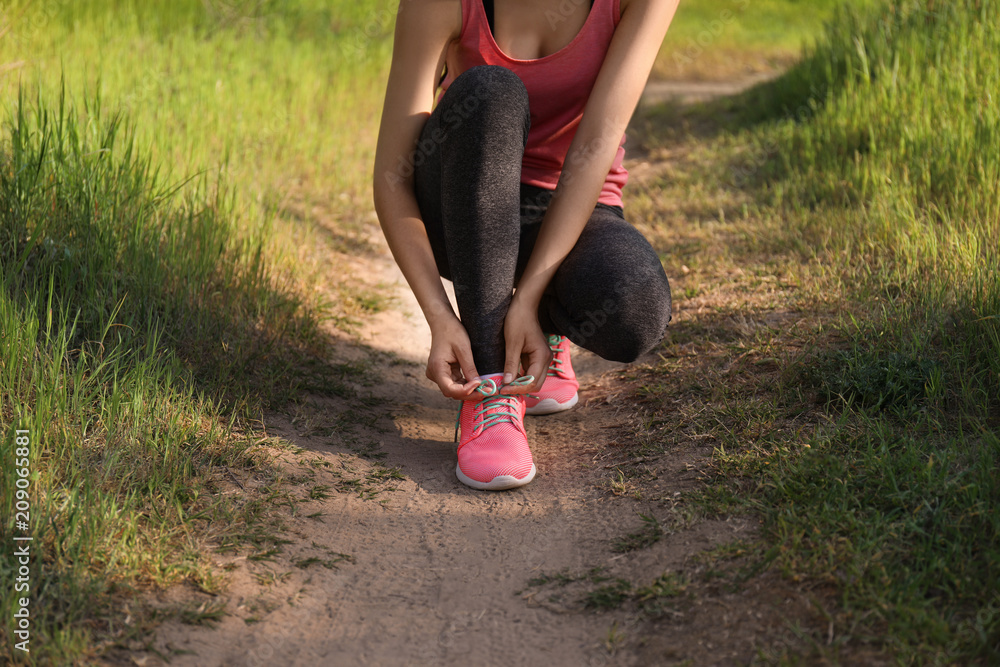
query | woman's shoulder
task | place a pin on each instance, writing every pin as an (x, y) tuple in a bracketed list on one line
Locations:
[(445, 15)]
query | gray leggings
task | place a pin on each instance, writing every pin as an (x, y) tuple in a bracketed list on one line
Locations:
[(610, 295)]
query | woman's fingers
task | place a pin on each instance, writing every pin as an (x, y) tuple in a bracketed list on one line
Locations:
[(533, 359), (439, 372), (467, 365), (512, 362), (527, 347), (452, 368), (537, 364)]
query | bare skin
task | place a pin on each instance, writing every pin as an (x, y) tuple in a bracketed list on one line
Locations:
[(424, 29)]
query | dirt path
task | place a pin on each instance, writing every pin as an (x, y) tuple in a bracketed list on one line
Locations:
[(406, 566), (438, 573), (688, 92), (436, 567)]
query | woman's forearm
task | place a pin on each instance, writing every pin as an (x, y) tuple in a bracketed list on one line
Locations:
[(568, 212), (407, 238), (423, 30), (612, 101)]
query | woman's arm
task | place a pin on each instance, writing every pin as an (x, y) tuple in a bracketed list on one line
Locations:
[(423, 30), (614, 97)]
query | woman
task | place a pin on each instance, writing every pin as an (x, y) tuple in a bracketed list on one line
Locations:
[(510, 187)]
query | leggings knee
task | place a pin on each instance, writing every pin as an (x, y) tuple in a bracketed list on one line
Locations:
[(642, 329), (624, 329), (487, 92), (614, 293)]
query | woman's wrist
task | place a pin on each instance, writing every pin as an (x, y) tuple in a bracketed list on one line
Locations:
[(441, 317), (527, 296)]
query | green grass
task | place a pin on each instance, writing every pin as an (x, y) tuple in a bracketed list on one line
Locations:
[(888, 128), (145, 316), (861, 193), (142, 333), (724, 39), (650, 533), (281, 95), (170, 174), (113, 295), (277, 100)]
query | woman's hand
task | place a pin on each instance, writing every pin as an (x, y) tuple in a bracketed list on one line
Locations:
[(527, 347), (450, 365)]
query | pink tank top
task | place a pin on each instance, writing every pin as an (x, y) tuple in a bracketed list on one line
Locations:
[(558, 88)]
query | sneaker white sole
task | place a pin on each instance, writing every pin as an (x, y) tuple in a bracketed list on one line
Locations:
[(547, 406), (498, 483)]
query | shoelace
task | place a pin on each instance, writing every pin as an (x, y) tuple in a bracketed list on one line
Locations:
[(504, 405), (555, 368)]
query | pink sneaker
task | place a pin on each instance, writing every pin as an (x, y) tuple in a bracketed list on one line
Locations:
[(559, 392), (493, 453)]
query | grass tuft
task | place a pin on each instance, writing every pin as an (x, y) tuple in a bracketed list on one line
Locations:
[(141, 330), (880, 382), (860, 210)]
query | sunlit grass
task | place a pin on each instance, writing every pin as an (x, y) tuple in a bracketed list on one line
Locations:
[(133, 321), (281, 94), (159, 171), (855, 200), (728, 39), (160, 268), (277, 101), (888, 128)]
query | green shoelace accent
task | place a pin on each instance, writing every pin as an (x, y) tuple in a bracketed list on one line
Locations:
[(555, 368), (494, 399)]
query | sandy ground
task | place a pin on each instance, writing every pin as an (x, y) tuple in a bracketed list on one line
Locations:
[(438, 573), (689, 92)]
